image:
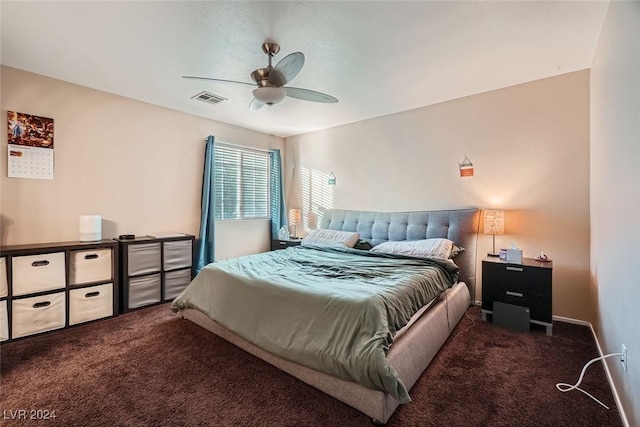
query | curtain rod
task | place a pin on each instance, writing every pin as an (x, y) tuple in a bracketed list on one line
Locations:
[(242, 146)]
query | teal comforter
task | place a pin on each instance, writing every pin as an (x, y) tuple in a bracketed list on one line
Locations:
[(335, 310)]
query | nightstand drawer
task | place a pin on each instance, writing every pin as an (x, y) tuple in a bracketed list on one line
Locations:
[(539, 304), (283, 244), (518, 278)]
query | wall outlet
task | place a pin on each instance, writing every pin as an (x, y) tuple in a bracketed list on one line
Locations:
[(623, 358)]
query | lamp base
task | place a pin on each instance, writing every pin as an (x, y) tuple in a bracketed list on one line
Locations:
[(495, 255)]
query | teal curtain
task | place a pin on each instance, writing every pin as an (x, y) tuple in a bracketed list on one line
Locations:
[(276, 194), (207, 242)]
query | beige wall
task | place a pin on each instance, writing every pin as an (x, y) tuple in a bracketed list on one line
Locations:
[(137, 165), (615, 199), (530, 148)]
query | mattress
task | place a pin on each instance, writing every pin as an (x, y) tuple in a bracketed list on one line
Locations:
[(333, 310)]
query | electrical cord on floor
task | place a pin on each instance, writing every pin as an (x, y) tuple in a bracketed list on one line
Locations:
[(564, 387), (473, 323)]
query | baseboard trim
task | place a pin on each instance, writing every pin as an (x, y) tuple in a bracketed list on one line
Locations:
[(616, 397), (573, 321)]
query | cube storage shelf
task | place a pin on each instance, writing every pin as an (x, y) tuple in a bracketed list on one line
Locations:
[(49, 286), (154, 270)]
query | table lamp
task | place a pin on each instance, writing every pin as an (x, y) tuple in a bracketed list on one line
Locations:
[(295, 216), (494, 224)]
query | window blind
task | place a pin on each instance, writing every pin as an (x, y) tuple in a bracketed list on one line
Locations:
[(241, 183)]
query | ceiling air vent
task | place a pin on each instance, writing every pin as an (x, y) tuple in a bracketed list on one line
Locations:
[(208, 97)]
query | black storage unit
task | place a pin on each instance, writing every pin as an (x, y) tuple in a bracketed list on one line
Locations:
[(283, 244), (50, 286), (526, 285), (154, 269)]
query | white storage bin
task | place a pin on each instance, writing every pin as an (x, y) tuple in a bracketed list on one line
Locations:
[(88, 266), (144, 290), (143, 258), (177, 254), (36, 273), (175, 282), (93, 302), (37, 314), (4, 288), (4, 321)]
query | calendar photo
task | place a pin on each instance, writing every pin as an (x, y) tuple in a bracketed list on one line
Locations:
[(32, 131)]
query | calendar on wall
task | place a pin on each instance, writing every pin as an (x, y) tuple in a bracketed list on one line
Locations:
[(30, 143)]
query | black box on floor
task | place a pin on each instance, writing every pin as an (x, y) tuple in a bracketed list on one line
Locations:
[(511, 316)]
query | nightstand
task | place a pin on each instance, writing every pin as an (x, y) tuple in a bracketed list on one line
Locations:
[(524, 285), (283, 244)]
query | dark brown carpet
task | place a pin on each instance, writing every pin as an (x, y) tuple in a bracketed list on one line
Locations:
[(151, 368)]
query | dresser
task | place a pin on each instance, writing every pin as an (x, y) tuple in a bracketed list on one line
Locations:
[(49, 286), (154, 269), (528, 285)]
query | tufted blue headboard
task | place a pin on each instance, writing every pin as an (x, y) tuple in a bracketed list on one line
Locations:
[(461, 226)]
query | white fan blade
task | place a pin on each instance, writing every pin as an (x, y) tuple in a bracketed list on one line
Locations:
[(309, 95), (255, 105), (217, 80), (287, 69)]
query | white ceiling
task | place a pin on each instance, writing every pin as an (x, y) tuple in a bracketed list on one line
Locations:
[(377, 58)]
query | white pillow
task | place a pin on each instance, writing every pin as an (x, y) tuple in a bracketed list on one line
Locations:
[(331, 238), (428, 248)]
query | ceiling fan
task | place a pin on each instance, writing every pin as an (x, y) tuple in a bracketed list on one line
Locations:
[(271, 80)]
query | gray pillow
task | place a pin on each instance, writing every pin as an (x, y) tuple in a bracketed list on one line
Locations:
[(331, 238), (426, 248)]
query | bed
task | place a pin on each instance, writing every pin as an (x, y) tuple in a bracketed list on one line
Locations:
[(390, 361)]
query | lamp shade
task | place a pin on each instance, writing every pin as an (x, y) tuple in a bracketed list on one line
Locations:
[(295, 216), (269, 95), (494, 222)]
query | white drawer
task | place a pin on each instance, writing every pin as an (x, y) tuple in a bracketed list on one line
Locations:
[(177, 254), (144, 290), (36, 273), (143, 258), (37, 314), (86, 266), (4, 321), (175, 282), (4, 288), (93, 302)]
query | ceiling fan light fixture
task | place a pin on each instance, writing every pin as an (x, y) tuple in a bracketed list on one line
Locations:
[(269, 95)]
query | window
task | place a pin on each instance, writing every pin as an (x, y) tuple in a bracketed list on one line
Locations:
[(317, 196), (241, 183)]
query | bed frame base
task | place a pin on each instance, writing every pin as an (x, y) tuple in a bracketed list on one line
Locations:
[(409, 355)]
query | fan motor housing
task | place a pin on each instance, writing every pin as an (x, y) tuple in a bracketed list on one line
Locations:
[(261, 77)]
